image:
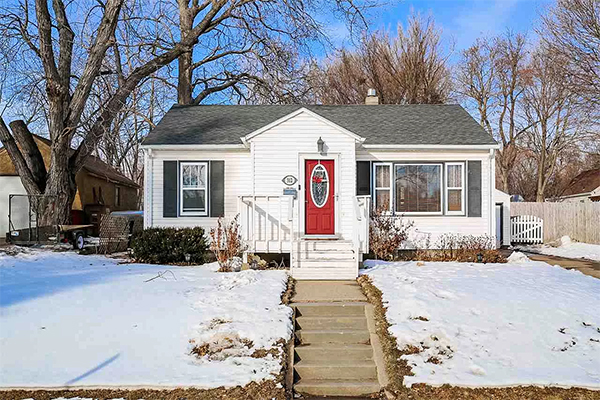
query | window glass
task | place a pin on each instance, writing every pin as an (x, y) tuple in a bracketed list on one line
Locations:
[(383, 187), (193, 200), (382, 176), (454, 188), (193, 187), (418, 188), (454, 175), (319, 187), (454, 200)]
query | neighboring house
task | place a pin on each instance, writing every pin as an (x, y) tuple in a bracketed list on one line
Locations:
[(302, 178), (99, 186), (584, 188)]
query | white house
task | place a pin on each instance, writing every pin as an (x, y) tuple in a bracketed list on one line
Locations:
[(303, 177)]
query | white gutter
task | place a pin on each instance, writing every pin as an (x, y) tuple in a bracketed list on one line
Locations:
[(432, 146), (212, 147)]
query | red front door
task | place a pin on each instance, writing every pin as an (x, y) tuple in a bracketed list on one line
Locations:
[(319, 197)]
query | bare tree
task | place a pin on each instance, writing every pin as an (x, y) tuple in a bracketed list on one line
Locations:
[(572, 29), (407, 69), (490, 74), (77, 44), (556, 115)]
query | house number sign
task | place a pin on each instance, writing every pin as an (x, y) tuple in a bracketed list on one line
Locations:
[(289, 180)]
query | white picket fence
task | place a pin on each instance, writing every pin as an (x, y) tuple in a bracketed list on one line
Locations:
[(526, 229)]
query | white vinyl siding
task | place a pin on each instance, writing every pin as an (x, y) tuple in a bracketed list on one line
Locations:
[(278, 152), (433, 225), (237, 183)]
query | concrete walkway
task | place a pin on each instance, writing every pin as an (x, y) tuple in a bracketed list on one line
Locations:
[(587, 267), (327, 291), (336, 351)]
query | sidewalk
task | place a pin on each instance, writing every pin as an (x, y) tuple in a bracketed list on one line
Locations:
[(587, 267)]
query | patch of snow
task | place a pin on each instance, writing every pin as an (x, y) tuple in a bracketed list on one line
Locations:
[(504, 324), (517, 257), (71, 320), (567, 248)]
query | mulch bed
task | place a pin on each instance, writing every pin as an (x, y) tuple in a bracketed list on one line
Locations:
[(263, 391), (397, 369)]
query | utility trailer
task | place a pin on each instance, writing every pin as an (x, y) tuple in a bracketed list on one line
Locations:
[(26, 227)]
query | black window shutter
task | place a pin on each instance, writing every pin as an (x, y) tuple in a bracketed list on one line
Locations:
[(363, 178), (170, 182), (217, 188), (474, 189)]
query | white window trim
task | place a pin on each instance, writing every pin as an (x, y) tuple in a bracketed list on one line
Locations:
[(390, 188), (181, 189), (441, 212), (448, 188)]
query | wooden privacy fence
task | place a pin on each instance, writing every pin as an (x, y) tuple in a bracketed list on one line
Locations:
[(580, 221), (526, 229)]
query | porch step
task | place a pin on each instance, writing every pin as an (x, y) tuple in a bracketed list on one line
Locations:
[(340, 352), (324, 245), (337, 387), (355, 370), (326, 336), (331, 323), (329, 309), (327, 254), (340, 264)]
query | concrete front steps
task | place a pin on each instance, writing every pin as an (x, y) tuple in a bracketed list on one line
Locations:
[(324, 259), (333, 355)]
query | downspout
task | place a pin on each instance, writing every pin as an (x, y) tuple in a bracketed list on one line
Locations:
[(148, 188), (492, 206)]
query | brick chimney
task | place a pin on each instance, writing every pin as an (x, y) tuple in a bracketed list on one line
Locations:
[(372, 98)]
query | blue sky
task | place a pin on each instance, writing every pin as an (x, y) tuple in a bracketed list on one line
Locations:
[(461, 21)]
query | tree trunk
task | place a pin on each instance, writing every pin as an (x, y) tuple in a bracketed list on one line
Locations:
[(185, 60)]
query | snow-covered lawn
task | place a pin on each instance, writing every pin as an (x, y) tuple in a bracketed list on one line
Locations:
[(71, 320), (568, 249), (520, 323)]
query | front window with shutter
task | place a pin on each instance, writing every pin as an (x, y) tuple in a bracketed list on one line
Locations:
[(193, 188)]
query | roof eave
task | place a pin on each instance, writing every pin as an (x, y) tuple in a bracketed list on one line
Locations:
[(211, 147), (432, 146)]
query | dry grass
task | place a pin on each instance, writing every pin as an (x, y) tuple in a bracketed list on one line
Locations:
[(397, 369), (261, 391)]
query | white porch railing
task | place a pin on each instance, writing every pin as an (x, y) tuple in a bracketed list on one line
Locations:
[(526, 229), (267, 222), (362, 213)]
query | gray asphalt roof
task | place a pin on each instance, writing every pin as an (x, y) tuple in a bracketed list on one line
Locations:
[(378, 124)]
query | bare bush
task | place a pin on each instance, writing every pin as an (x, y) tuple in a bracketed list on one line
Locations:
[(387, 233), (226, 243), (466, 248)]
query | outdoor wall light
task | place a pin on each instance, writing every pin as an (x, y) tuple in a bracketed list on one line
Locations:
[(320, 145)]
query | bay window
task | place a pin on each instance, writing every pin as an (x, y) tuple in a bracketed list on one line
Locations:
[(418, 188), (193, 188)]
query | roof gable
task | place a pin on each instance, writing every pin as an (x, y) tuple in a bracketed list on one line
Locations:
[(302, 110), (421, 124)]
